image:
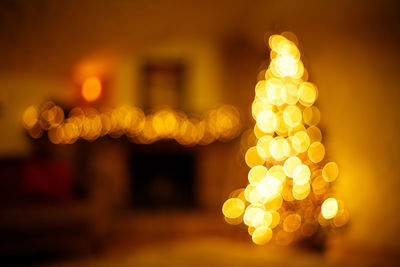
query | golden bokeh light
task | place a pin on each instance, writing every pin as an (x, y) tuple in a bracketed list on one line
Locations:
[(292, 116), (316, 152), (314, 133), (311, 115), (279, 148), (89, 124), (307, 94), (319, 185), (275, 219), (263, 146), (266, 121), (233, 208), (301, 174), (292, 223), (275, 91), (277, 172), (252, 157), (300, 141), (262, 235), (290, 94), (301, 192), (269, 187), (290, 165), (341, 218), (30, 117), (254, 215), (329, 208), (330, 172), (257, 173)]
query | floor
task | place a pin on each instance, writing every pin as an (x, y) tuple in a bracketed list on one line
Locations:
[(190, 239)]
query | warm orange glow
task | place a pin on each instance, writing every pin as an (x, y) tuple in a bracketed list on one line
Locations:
[(30, 117), (91, 89), (89, 124)]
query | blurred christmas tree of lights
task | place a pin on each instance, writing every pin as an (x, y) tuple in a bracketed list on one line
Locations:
[(289, 196)]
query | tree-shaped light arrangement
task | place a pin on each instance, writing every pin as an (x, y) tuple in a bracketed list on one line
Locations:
[(289, 181)]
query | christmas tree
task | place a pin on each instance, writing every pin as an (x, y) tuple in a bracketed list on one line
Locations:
[(288, 196)]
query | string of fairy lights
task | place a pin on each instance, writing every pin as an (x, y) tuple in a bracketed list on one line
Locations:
[(221, 124), (289, 194)]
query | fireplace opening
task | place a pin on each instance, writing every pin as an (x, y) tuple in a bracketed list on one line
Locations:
[(162, 176)]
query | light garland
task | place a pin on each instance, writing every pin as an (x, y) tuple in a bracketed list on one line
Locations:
[(288, 195), (89, 124)]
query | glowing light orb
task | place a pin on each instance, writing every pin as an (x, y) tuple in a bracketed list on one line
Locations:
[(275, 91), (290, 94), (301, 174), (263, 146), (30, 117), (269, 187), (292, 116), (279, 148), (285, 66), (277, 172), (300, 141), (290, 165), (266, 121), (314, 133), (233, 208), (257, 173), (253, 215), (330, 172), (291, 223), (276, 217), (316, 152), (311, 115), (329, 208), (307, 94), (91, 89), (262, 235), (252, 157)]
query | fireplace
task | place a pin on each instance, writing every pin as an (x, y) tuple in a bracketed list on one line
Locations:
[(162, 176)]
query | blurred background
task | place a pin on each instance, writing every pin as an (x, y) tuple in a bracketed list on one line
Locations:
[(117, 200)]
